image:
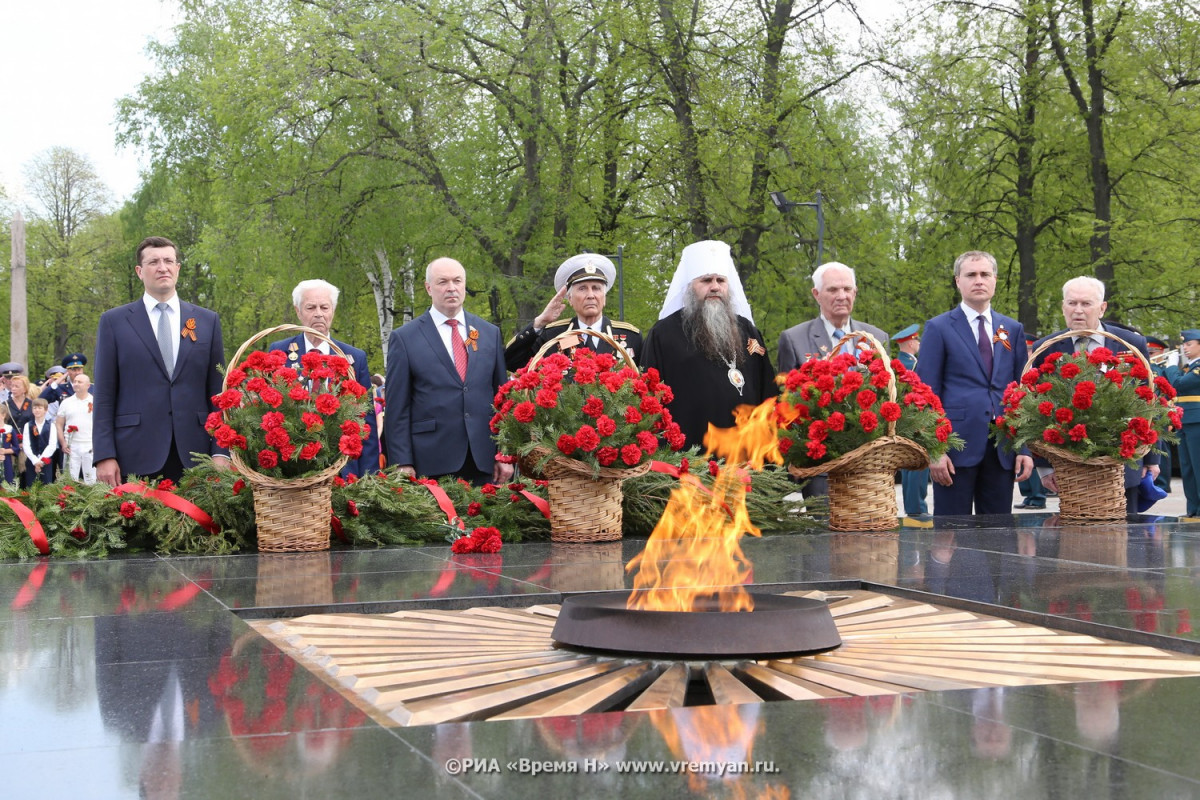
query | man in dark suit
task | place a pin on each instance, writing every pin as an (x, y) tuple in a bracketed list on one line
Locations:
[(583, 281), (443, 371), (157, 362), (315, 302), (968, 356), (1083, 306), (834, 289)]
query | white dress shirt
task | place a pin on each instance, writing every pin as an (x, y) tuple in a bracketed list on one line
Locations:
[(176, 323)]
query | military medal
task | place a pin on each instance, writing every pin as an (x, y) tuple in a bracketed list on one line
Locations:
[(293, 351)]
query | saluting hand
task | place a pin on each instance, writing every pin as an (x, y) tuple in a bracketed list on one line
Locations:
[(552, 311)]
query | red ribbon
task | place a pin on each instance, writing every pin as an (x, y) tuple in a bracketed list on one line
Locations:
[(31, 524), (174, 501), (539, 503), (443, 501), (685, 477), (337, 527), (183, 595), (33, 585)]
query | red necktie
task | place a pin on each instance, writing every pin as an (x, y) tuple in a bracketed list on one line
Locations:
[(460, 349)]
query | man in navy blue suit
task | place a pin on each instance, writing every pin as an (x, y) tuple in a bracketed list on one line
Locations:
[(443, 371), (1083, 306), (157, 362), (968, 356), (315, 302)]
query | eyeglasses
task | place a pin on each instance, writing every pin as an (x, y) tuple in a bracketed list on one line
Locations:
[(170, 262)]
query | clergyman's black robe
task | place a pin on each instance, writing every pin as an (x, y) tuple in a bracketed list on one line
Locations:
[(703, 393)]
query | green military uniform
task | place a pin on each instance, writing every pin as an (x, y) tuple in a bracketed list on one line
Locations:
[(1186, 380)]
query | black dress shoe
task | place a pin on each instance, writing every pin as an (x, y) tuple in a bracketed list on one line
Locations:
[(1028, 504)]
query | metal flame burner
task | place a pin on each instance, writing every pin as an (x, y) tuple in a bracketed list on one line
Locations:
[(779, 625)]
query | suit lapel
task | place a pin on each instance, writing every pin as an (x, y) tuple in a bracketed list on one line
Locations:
[(958, 321), (476, 356), (822, 345), (139, 321), (434, 338)]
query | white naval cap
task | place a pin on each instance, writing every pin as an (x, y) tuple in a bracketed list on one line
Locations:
[(585, 267)]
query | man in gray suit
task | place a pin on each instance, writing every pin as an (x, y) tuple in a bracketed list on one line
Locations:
[(834, 289), (443, 370)]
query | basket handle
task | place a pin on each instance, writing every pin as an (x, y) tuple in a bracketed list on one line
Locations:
[(237, 357), (1083, 332), (234, 455), (545, 348), (877, 346)]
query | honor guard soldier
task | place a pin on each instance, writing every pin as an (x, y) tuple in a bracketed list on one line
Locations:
[(1184, 375), (914, 482), (583, 281), (1157, 350)]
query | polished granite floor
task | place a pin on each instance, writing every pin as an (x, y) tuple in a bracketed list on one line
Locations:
[(139, 676)]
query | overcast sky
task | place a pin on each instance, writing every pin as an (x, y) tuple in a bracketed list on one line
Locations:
[(64, 64)]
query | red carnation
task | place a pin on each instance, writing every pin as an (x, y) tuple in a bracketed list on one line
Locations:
[(547, 398), (298, 393), (309, 451), (524, 412), (353, 427), (631, 454), (238, 485), (632, 415), (1078, 433), (1046, 408), (278, 437), (890, 411), (587, 438), (235, 377), (129, 508), (312, 420), (351, 446), (268, 459), (815, 449), (646, 441), (607, 456), (327, 404), (869, 421), (866, 398), (1053, 436), (605, 426), (1069, 370), (210, 424), (1064, 415), (226, 400), (650, 405), (271, 396), (567, 444)]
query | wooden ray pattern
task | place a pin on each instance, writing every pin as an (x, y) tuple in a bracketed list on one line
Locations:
[(428, 666)]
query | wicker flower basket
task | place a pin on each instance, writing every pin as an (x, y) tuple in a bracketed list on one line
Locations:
[(1089, 490), (582, 508), (862, 483), (292, 515)]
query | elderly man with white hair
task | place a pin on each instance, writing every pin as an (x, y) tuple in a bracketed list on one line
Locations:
[(583, 281), (705, 345), (834, 289), (1083, 306), (315, 302)]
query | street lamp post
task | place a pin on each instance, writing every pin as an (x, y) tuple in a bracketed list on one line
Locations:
[(785, 206)]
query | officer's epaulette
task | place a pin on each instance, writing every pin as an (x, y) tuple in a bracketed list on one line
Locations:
[(625, 326), (558, 323)]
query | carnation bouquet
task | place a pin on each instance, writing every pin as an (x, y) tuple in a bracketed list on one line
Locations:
[(859, 418), (587, 423), (585, 408), (296, 429), (291, 422), (831, 407), (1089, 414), (1097, 405)]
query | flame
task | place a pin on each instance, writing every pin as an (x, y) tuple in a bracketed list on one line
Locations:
[(694, 553), (717, 734)]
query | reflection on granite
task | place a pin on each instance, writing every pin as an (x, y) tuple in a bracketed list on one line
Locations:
[(119, 679)]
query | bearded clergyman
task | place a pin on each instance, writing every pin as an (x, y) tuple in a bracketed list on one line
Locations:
[(705, 345)]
